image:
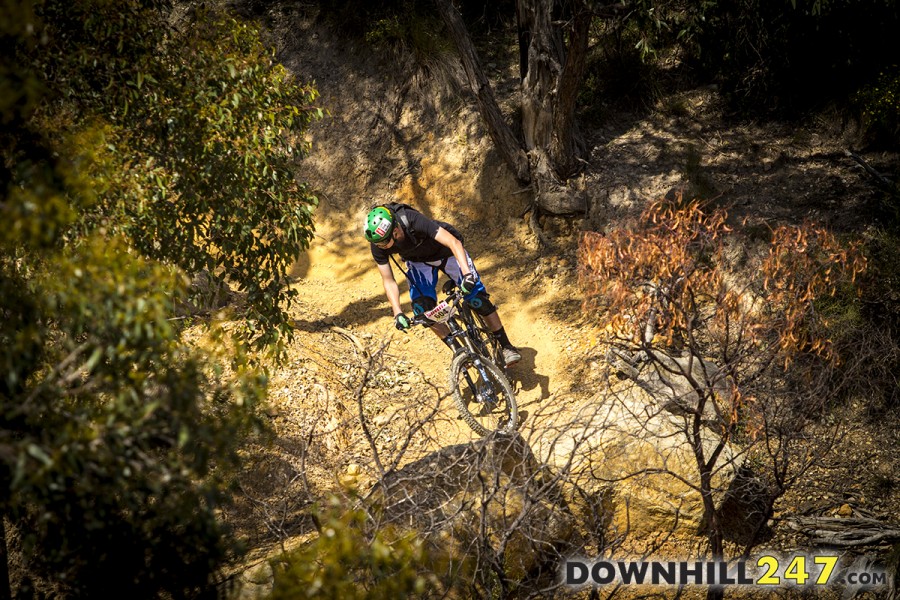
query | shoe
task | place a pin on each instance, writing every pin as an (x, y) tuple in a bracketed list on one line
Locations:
[(511, 356)]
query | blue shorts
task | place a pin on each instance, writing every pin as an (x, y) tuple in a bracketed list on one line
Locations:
[(423, 278)]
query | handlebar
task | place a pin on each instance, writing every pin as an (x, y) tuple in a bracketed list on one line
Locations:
[(421, 320)]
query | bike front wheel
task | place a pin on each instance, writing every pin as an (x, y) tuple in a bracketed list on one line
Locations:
[(483, 395)]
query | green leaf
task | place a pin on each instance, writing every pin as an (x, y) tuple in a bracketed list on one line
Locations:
[(94, 359), (184, 435), (38, 453)]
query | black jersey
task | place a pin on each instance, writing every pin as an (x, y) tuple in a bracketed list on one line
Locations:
[(418, 244)]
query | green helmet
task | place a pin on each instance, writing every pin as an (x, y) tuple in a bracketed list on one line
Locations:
[(379, 224)]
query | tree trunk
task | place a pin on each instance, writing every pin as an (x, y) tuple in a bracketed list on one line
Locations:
[(524, 37), (705, 467), (548, 100), (717, 549), (502, 135), (567, 147), (538, 86), (551, 75)]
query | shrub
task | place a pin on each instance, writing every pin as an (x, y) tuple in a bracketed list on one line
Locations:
[(348, 559), (746, 357), (879, 105)]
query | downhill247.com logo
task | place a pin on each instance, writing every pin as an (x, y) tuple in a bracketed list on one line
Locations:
[(767, 570)]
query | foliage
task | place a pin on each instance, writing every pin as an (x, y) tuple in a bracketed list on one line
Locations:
[(879, 104), (417, 31), (111, 424), (409, 33), (377, 22), (132, 152), (872, 335), (795, 54), (200, 127), (679, 253), (111, 442), (785, 57), (382, 20), (655, 25), (346, 560), (751, 355), (619, 69), (882, 285)]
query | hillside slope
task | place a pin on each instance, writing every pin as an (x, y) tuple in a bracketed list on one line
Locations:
[(426, 146)]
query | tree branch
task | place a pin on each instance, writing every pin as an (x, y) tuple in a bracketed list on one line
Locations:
[(881, 181)]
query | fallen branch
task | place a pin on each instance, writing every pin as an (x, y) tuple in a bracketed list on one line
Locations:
[(353, 339), (853, 532), (881, 181)]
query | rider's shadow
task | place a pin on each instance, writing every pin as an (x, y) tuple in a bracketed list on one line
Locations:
[(524, 377)]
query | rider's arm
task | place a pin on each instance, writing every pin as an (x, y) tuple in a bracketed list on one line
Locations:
[(459, 253), (391, 289)]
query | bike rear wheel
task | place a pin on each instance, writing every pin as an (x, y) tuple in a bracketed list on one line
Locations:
[(483, 395)]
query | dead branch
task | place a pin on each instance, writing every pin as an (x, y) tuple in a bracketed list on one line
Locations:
[(374, 361), (881, 181), (353, 339), (853, 532)]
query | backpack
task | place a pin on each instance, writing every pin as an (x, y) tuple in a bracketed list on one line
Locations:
[(400, 209)]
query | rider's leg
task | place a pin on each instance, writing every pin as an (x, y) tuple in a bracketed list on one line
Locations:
[(480, 302), (423, 280), (496, 326), (493, 321)]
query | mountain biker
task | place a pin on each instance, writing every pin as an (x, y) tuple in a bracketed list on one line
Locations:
[(427, 247)]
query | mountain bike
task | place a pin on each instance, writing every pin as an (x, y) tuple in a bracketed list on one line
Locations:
[(481, 391)]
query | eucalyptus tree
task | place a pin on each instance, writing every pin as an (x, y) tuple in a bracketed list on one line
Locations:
[(553, 39), (138, 148)]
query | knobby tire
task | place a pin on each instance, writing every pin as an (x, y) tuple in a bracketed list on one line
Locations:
[(506, 413)]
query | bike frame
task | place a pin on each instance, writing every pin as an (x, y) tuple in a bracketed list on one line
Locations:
[(467, 336)]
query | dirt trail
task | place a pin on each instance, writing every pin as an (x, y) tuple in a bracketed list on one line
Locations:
[(536, 297)]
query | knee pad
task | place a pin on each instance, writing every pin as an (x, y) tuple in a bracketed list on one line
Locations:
[(423, 303), (481, 303)]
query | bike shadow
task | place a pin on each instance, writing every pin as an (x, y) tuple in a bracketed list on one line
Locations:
[(524, 377)]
